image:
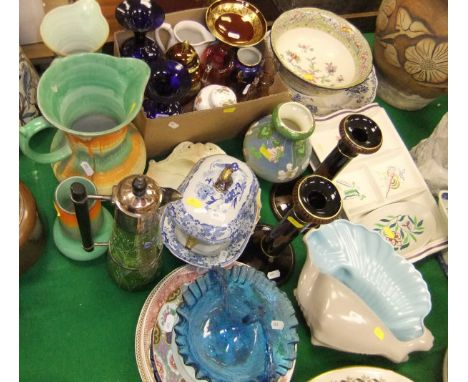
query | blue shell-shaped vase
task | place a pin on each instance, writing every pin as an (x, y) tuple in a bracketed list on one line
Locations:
[(277, 147), (363, 261), (236, 325)]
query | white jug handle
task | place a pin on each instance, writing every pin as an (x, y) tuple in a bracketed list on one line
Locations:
[(166, 27)]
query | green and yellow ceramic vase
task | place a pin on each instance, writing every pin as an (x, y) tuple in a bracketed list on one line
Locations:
[(91, 99), (277, 147)]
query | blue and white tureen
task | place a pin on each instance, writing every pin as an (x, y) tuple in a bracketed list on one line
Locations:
[(212, 223)]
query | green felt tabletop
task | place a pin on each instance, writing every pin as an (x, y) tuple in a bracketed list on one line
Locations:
[(77, 325)]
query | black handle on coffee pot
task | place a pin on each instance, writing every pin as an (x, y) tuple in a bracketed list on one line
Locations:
[(79, 198)]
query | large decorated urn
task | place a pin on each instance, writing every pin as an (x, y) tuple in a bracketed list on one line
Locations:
[(411, 52)]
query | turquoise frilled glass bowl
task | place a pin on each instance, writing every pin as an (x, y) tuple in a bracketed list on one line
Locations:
[(236, 325), (367, 264)]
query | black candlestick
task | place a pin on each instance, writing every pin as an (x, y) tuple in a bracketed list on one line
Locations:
[(359, 134), (316, 201)]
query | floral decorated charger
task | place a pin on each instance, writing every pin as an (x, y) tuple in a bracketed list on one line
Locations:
[(321, 48)]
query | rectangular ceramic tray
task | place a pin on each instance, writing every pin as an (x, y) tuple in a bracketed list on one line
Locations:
[(373, 181)]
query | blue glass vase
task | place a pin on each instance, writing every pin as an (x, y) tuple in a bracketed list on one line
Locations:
[(169, 84), (140, 16), (236, 325)]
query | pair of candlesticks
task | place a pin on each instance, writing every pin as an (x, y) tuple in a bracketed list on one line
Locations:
[(309, 202)]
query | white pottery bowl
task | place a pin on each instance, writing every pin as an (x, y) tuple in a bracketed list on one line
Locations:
[(321, 48), (359, 296), (75, 28)]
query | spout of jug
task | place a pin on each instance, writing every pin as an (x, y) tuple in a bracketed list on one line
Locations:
[(169, 195)]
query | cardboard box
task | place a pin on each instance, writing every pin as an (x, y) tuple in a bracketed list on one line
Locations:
[(162, 134)]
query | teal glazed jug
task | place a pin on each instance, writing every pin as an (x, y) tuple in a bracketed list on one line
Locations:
[(91, 98)]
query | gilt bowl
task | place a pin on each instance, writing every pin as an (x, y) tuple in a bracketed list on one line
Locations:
[(236, 22)]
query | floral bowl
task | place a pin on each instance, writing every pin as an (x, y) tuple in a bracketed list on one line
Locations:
[(219, 208), (321, 48), (353, 272), (235, 324)]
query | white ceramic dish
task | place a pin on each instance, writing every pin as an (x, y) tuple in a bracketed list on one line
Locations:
[(171, 171), (360, 374), (407, 226), (321, 48), (75, 28)]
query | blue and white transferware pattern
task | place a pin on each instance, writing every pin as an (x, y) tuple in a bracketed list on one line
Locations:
[(220, 222), (324, 101), (226, 256), (207, 214)]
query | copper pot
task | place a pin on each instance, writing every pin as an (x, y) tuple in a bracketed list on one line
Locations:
[(31, 238)]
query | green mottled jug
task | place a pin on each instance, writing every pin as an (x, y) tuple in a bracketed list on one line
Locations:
[(91, 98)]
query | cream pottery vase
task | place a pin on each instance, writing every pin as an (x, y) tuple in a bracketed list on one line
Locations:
[(76, 28)]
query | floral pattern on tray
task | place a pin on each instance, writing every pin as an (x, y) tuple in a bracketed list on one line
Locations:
[(386, 183), (400, 230)]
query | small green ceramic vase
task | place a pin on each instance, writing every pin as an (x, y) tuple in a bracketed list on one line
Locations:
[(91, 98), (277, 147)]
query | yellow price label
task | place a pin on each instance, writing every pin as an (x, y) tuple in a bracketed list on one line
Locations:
[(264, 151), (379, 333), (230, 110), (194, 202)]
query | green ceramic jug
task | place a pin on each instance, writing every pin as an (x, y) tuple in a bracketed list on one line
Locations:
[(91, 98)]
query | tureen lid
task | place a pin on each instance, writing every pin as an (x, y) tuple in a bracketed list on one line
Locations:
[(216, 196)]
